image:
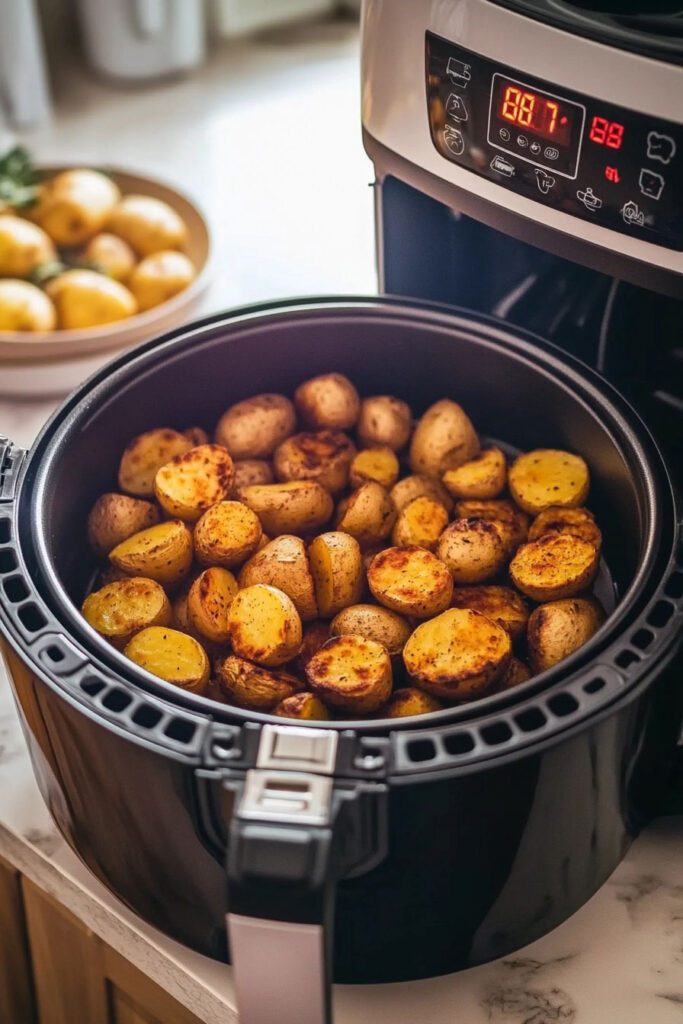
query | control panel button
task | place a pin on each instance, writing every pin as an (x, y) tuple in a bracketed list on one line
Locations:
[(503, 166), (650, 183), (589, 199), (522, 141), (459, 72), (504, 134), (632, 214), (535, 148), (660, 147), (551, 153), (455, 107), (454, 140), (544, 180)]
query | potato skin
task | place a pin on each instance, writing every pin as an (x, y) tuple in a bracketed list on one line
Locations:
[(329, 401), (252, 471), (421, 523), (315, 635), (171, 655), (116, 517), (324, 456), (385, 420), (548, 476), (144, 457), (577, 521), (515, 674), (191, 483), (252, 686), (510, 521), (295, 506), (418, 486), (208, 603), (369, 514), (264, 626), (162, 553), (196, 436), (23, 307), (149, 225), (75, 205), (121, 609), (472, 549), (482, 477), (337, 569), (410, 581), (443, 439), (373, 623), (351, 674), (159, 277), (226, 534), (304, 706), (378, 463), (254, 427), (555, 566), (283, 563), (23, 246), (407, 701), (84, 298), (501, 604), (559, 628), (114, 256)]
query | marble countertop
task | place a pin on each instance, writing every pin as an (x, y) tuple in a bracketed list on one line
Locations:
[(267, 137)]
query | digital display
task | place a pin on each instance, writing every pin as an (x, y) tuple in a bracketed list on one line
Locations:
[(535, 112), (606, 133)]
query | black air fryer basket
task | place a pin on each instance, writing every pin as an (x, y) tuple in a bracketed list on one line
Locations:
[(376, 850)]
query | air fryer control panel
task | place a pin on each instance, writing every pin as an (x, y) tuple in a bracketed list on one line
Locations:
[(618, 168)]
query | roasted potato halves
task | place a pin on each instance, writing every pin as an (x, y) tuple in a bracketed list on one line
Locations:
[(328, 402), (556, 565), (472, 549), (304, 706), (253, 687), (512, 524), (351, 674), (419, 486), (173, 656), (208, 603), (253, 428), (379, 464), (385, 420), (116, 517), (373, 623), (324, 456), (420, 523), (162, 553), (252, 471), (578, 521), (191, 483), (444, 438), (481, 477), (548, 476), (226, 534), (408, 700), (559, 628), (502, 604), (283, 563), (144, 457), (296, 506), (368, 515), (338, 574), (411, 581), (264, 626), (121, 609)]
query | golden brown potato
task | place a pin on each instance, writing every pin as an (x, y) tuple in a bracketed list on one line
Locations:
[(419, 486), (559, 628), (296, 506), (407, 701), (556, 565), (283, 563), (379, 464), (116, 517), (351, 674), (119, 610), (191, 483), (516, 672), (373, 623), (328, 402), (324, 456), (385, 420), (252, 471), (253, 428), (253, 687), (23, 307), (511, 523), (144, 457), (196, 436), (171, 655), (264, 625), (577, 521), (315, 635), (421, 523), (208, 603), (502, 604), (148, 224), (111, 255), (482, 477), (84, 298), (157, 278), (75, 205), (304, 706), (226, 534), (546, 477), (443, 439), (411, 581), (369, 515), (337, 569), (162, 553), (472, 549), (459, 655), (23, 246)]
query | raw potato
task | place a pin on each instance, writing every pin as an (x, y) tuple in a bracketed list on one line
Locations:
[(191, 483), (443, 439), (385, 420), (144, 457), (297, 506), (116, 517), (556, 565), (252, 687), (421, 523), (208, 603), (111, 255), (516, 672), (252, 471), (411, 581), (559, 628), (196, 436), (502, 604), (351, 674), (481, 477), (369, 515), (548, 476), (119, 610), (83, 298), (337, 568), (226, 534), (159, 277), (23, 307), (373, 623), (264, 626), (459, 655), (149, 225), (283, 563), (472, 549), (324, 456), (75, 205), (162, 553), (304, 706), (510, 521), (23, 247), (577, 521), (407, 701), (315, 635), (253, 428), (171, 655), (379, 464), (419, 486), (327, 402)]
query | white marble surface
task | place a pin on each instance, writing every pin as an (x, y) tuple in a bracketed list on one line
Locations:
[(268, 138)]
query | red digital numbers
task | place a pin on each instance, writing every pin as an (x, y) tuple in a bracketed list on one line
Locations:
[(606, 133), (529, 110)]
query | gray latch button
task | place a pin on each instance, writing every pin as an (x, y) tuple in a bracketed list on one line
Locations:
[(290, 797), (288, 748)]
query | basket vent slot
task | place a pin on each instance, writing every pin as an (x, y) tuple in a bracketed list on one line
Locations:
[(180, 730), (54, 654), (642, 639), (660, 614), (626, 658), (8, 560), (594, 685), (531, 720), (146, 716), (674, 586), (116, 700), (92, 686), (5, 533), (563, 704), (496, 733), (16, 589), (31, 618), (422, 750), (459, 743)]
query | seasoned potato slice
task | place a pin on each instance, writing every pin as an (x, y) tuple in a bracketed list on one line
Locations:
[(459, 655), (379, 464), (191, 483), (315, 635), (511, 523), (173, 656), (369, 514), (556, 565), (421, 523), (252, 471), (208, 603), (304, 706), (411, 581), (444, 438), (577, 521), (481, 477), (144, 457), (196, 436), (297, 506), (327, 402), (116, 517), (253, 428), (324, 456), (120, 609), (337, 568), (226, 534), (419, 486), (351, 674), (283, 563), (472, 549), (408, 700), (373, 623), (502, 604), (162, 553), (253, 687), (559, 628), (516, 672), (548, 476), (385, 420), (264, 626)]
